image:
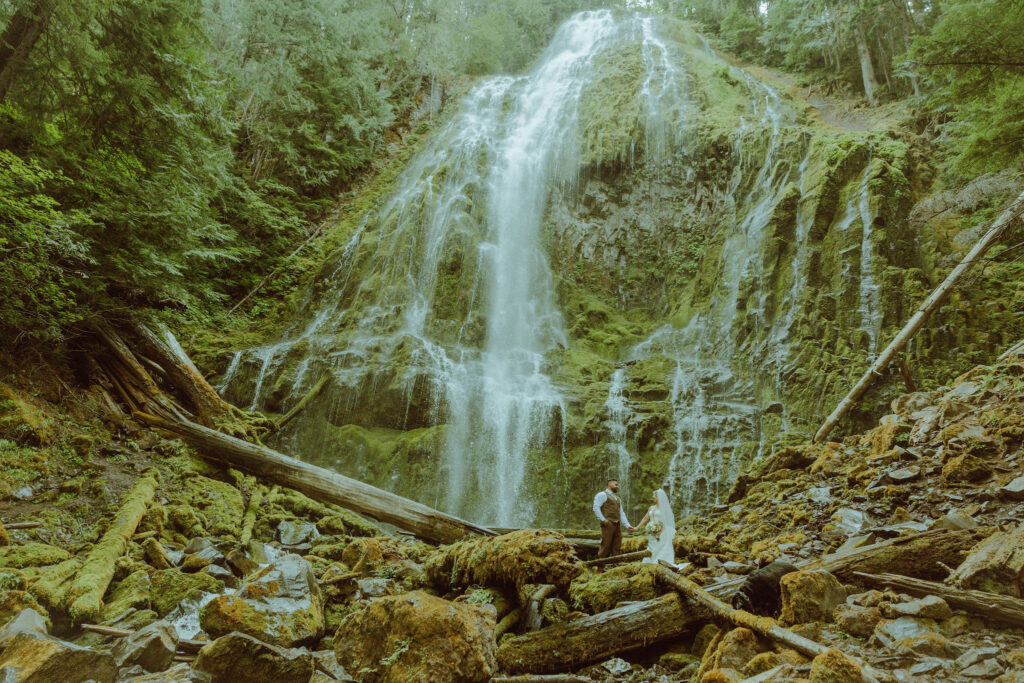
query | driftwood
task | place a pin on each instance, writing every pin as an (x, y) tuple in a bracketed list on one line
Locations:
[(181, 373), (722, 612), (318, 483), (616, 559), (575, 644), (916, 321), (22, 525), (92, 579), (992, 606)]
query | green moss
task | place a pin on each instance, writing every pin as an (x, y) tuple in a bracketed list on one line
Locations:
[(170, 587), (31, 555)]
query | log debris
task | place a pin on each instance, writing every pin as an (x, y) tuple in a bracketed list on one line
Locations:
[(86, 592), (919, 318), (569, 646), (617, 559), (318, 483), (1001, 608)]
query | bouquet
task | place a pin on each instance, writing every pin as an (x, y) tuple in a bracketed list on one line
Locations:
[(653, 528)]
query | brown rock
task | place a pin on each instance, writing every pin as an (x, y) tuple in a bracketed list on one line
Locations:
[(418, 637), (36, 658), (856, 620), (832, 666), (995, 565), (925, 645), (810, 596), (765, 661), (239, 658), (721, 676), (965, 469), (928, 607)]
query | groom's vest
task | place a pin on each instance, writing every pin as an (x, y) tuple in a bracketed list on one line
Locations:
[(610, 507)]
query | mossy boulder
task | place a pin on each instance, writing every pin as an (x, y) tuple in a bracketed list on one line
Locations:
[(418, 637), (809, 596), (965, 469), (12, 602), (832, 666), (170, 587), (220, 504), (133, 592), (31, 555), (281, 604), (595, 593), (240, 658)]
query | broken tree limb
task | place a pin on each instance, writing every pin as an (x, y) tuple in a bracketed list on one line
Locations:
[(91, 581), (298, 408), (917, 320), (318, 483), (569, 646), (615, 559), (722, 612), (992, 606), (181, 373)]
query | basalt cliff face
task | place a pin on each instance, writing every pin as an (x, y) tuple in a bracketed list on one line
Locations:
[(637, 260)]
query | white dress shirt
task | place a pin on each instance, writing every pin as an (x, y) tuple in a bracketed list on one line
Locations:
[(600, 499)]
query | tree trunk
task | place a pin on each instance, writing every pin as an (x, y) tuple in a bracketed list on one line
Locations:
[(575, 644), (182, 374), (918, 319), (319, 484), (18, 39), (992, 606), (867, 70)]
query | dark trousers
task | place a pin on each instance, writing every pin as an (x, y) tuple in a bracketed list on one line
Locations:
[(611, 539)]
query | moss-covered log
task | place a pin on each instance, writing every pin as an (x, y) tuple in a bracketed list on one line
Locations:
[(512, 560), (85, 596), (575, 644)]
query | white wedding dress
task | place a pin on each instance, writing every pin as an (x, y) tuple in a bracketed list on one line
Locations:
[(661, 546)]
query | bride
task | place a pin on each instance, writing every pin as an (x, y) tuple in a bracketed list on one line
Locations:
[(661, 530)]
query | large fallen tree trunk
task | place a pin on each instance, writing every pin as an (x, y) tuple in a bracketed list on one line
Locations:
[(916, 321), (181, 373), (992, 606), (319, 483), (575, 644)]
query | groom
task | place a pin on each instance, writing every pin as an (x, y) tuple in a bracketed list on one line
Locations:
[(608, 510)]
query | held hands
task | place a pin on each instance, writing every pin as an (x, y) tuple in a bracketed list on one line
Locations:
[(631, 528)]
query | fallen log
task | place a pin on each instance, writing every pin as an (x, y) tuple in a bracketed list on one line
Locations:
[(319, 483), (723, 613), (992, 606), (23, 525), (569, 646), (616, 559), (86, 592), (181, 373), (916, 321)]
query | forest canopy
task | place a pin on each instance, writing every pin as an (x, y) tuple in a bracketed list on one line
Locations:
[(168, 154)]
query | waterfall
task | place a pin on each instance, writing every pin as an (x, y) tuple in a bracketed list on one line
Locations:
[(617, 424), (870, 308)]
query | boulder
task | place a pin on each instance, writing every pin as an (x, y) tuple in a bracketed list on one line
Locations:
[(152, 647), (928, 644), (995, 565), (183, 673), (14, 602), (171, 586), (735, 649), (595, 593), (418, 637), (31, 555), (832, 666), (36, 658), (928, 607), (239, 658), (27, 620), (1014, 490), (810, 596), (965, 469), (281, 604), (856, 620), (888, 632)]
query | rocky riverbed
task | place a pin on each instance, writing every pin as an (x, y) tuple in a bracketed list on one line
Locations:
[(225, 579)]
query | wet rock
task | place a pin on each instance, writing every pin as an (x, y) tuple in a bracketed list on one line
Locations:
[(281, 604), (421, 637), (376, 588), (240, 563), (975, 655), (183, 673), (26, 621), (890, 631), (856, 620), (292, 534), (221, 574), (989, 668), (327, 661), (832, 666), (152, 647), (171, 586), (955, 521), (930, 607), (239, 658), (37, 658), (925, 645), (810, 596), (1014, 490)]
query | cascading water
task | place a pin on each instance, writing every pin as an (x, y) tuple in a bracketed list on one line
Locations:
[(473, 203)]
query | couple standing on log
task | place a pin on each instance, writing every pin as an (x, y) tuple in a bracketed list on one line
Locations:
[(659, 524)]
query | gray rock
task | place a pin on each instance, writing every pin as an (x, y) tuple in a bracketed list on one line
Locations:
[(182, 673), (888, 631), (326, 660), (617, 667), (296, 533), (1014, 490), (904, 474), (954, 521), (988, 668), (738, 568), (975, 655), (930, 607), (850, 521), (35, 658), (238, 658), (927, 665), (376, 588), (26, 621), (152, 647)]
